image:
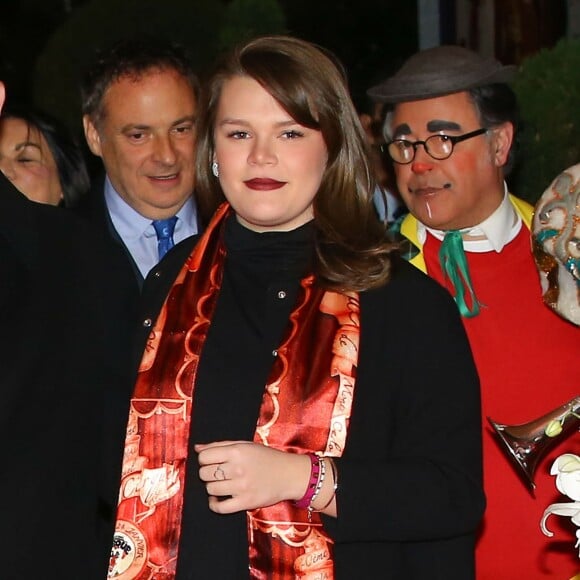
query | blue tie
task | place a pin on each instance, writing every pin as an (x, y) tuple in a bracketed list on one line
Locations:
[(164, 230)]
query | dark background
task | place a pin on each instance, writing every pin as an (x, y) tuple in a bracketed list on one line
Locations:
[(44, 44)]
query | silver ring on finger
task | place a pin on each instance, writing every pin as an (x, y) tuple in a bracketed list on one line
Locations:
[(219, 474)]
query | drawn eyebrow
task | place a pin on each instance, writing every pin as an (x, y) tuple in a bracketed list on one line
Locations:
[(440, 125), (433, 126), (402, 129)]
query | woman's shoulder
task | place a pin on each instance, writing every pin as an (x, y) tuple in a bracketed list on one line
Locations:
[(406, 279), (411, 296)]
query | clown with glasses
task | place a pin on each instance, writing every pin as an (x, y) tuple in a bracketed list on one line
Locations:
[(450, 126)]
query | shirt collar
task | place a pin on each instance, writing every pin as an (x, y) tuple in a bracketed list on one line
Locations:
[(187, 214), (496, 231), (130, 224)]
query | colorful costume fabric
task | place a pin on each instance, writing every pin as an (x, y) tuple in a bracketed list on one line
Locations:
[(556, 244)]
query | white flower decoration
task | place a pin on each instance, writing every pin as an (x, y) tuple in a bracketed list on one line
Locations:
[(566, 468)]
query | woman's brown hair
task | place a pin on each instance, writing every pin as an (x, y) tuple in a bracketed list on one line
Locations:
[(352, 252)]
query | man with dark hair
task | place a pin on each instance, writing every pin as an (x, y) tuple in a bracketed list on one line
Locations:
[(450, 132), (139, 106), (64, 358)]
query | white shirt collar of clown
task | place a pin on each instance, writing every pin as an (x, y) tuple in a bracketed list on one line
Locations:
[(492, 234)]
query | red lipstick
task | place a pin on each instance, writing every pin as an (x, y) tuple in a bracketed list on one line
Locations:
[(264, 184)]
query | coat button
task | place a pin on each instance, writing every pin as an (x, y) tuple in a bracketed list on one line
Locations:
[(281, 294), (147, 323)]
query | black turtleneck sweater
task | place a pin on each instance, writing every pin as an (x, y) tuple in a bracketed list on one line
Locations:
[(260, 285)]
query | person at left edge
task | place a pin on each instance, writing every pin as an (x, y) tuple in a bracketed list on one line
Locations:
[(139, 105), (64, 347), (40, 157)]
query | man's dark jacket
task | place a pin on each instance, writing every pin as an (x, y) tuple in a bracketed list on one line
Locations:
[(94, 209), (64, 356)]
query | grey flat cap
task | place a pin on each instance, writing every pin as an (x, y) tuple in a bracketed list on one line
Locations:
[(440, 71)]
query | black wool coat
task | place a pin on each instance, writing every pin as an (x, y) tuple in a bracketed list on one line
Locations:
[(64, 353), (410, 480)]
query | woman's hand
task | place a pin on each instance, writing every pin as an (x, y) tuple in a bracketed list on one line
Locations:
[(241, 475)]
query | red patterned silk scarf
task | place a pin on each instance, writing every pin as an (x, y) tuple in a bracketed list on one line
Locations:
[(306, 407)]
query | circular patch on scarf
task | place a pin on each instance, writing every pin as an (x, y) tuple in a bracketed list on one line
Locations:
[(129, 552)]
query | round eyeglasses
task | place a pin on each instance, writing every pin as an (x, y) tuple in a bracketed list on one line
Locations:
[(439, 147)]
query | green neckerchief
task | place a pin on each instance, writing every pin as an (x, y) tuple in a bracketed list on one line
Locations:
[(454, 265)]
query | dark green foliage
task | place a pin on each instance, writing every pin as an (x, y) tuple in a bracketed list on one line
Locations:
[(246, 19), (548, 89)]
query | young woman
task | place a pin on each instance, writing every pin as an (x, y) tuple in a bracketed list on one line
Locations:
[(307, 404)]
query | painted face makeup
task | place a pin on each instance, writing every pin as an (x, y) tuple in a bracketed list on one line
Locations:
[(457, 192)]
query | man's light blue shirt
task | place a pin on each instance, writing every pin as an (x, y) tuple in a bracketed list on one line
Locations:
[(137, 231)]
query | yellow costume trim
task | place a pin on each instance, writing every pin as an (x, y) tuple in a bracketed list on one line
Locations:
[(409, 228)]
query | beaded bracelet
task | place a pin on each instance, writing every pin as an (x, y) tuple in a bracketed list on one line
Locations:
[(319, 483), (322, 464), (334, 487), (311, 489)]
